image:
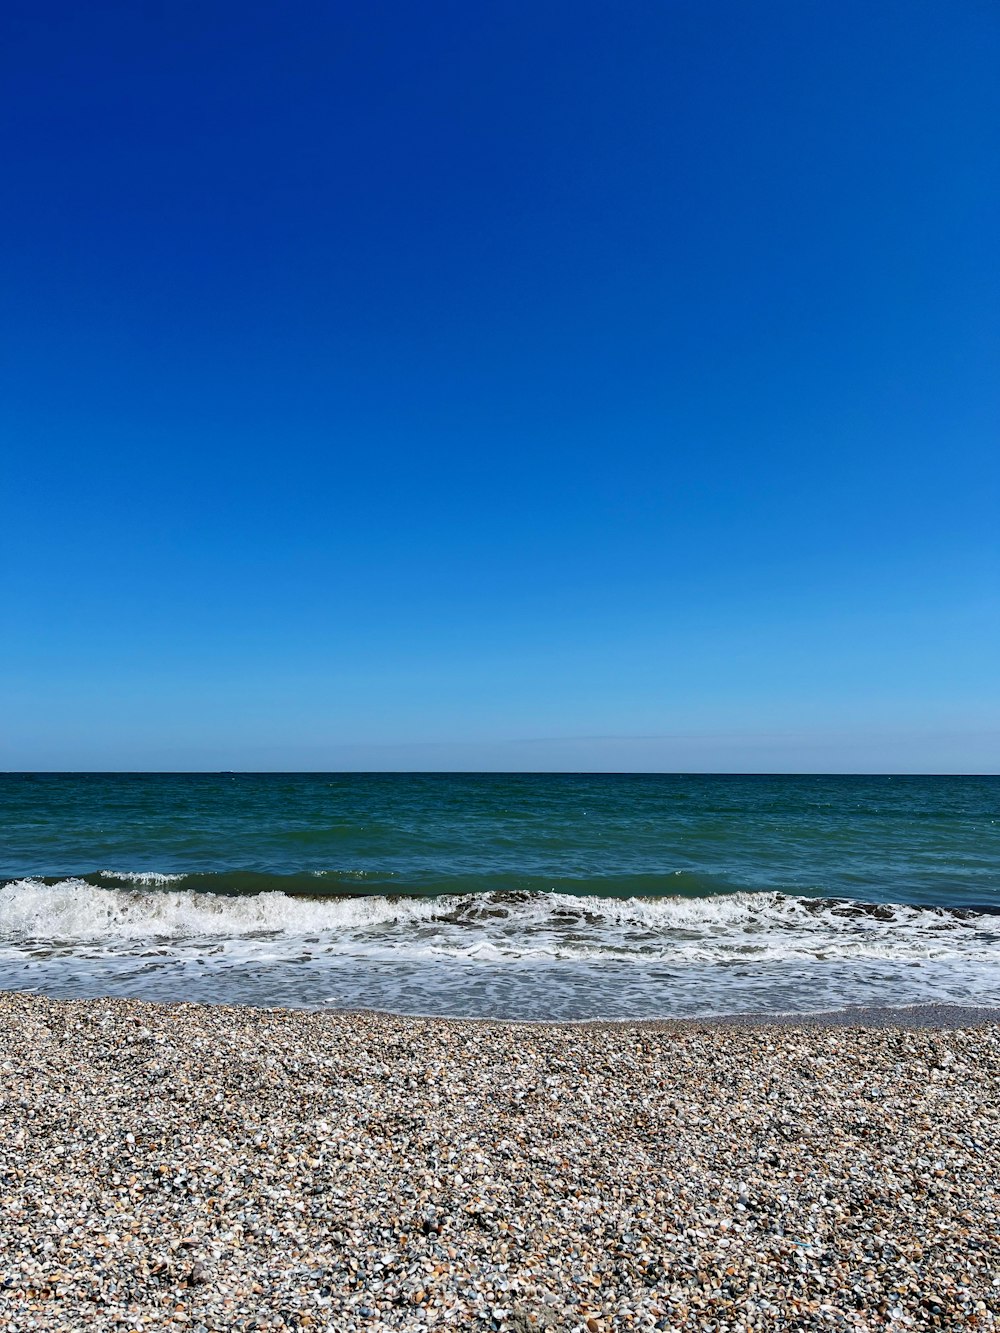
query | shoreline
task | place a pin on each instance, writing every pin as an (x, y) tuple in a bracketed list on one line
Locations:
[(913, 1017), (907, 1018), (214, 1168)]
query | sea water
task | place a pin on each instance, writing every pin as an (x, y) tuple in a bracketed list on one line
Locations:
[(507, 895)]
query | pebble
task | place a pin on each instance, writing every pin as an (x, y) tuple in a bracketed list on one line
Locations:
[(218, 1168)]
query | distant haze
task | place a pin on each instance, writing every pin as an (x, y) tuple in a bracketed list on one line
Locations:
[(907, 752)]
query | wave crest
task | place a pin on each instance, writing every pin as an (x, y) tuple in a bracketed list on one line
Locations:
[(725, 928)]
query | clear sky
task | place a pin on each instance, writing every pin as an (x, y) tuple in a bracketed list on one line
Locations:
[(532, 385)]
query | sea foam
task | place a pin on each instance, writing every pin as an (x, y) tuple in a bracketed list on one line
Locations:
[(731, 927)]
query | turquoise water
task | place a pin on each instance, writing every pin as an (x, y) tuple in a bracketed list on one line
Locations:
[(515, 895)]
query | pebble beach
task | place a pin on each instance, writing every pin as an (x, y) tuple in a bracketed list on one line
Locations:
[(215, 1168)]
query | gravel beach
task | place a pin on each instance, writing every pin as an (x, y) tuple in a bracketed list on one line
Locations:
[(216, 1168)]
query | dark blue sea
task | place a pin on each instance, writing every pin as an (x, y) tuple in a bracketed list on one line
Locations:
[(507, 895)]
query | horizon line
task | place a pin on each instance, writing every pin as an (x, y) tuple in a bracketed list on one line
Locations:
[(492, 772)]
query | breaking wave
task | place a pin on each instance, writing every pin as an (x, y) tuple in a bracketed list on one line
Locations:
[(735, 927), (495, 954)]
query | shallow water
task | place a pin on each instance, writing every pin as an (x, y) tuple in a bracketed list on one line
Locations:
[(554, 896)]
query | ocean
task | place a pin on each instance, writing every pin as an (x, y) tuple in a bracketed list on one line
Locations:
[(521, 896)]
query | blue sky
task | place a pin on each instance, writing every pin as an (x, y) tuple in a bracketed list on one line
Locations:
[(529, 386)]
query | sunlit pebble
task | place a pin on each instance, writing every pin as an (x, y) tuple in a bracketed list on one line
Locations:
[(220, 1168)]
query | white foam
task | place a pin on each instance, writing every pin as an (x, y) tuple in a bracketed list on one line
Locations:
[(729, 929), (140, 877), (73, 910)]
